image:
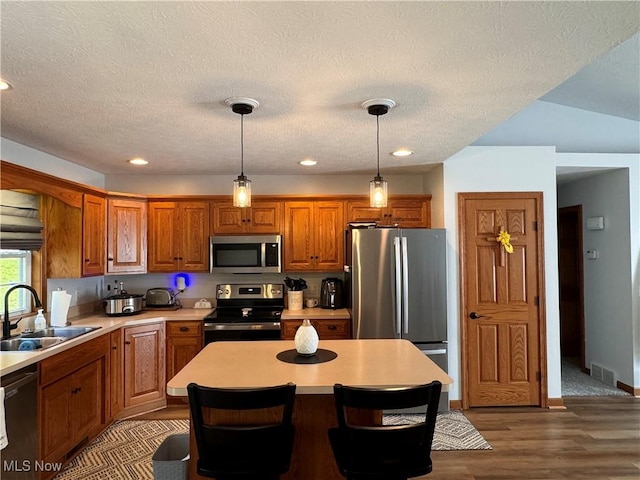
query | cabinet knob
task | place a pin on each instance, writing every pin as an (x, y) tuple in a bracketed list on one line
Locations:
[(331, 327), (110, 259), (127, 342), (115, 347), (184, 329), (86, 260)]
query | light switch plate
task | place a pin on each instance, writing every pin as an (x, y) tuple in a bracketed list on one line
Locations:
[(595, 223)]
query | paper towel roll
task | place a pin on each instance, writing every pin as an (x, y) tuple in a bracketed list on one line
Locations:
[(60, 302)]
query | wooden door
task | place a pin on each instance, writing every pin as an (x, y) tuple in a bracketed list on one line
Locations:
[(56, 426), (502, 316), (226, 218), (116, 372), (126, 236), (361, 211), (264, 217), (86, 401), (298, 241), (409, 213), (144, 364), (328, 232), (163, 245), (570, 273), (93, 235), (194, 234)]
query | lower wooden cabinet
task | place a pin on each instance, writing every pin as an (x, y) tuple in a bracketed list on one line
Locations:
[(72, 391), (144, 366), (328, 329), (116, 372), (184, 341)]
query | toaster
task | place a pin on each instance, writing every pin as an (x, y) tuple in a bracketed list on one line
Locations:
[(159, 297)]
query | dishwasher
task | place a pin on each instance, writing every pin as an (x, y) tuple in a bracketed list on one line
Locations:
[(20, 411)]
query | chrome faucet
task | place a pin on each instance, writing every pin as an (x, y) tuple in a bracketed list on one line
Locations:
[(7, 326)]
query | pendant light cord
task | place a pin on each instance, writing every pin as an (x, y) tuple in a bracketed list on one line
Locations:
[(378, 141), (242, 145)]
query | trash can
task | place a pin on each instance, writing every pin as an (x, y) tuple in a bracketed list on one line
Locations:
[(171, 459)]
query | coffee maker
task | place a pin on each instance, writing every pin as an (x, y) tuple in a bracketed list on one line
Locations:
[(331, 293)]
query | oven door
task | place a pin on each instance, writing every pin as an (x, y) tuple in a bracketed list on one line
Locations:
[(217, 332)]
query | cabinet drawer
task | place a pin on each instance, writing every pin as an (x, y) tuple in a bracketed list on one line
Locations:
[(327, 329), (62, 364), (184, 329)]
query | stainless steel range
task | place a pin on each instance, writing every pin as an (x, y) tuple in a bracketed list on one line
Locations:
[(245, 312)]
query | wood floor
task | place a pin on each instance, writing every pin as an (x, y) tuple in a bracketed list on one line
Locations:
[(595, 438)]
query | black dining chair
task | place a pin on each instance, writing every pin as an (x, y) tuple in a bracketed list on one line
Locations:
[(383, 452), (243, 449)]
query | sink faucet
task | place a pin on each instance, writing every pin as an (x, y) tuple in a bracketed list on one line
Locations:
[(7, 326)]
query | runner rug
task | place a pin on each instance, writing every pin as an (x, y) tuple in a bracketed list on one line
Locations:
[(124, 450)]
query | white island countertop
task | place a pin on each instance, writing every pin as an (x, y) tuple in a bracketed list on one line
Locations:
[(374, 363)]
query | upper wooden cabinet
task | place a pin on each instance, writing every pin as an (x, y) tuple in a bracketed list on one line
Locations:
[(260, 217), (407, 212), (178, 236), (74, 237), (126, 236), (313, 236)]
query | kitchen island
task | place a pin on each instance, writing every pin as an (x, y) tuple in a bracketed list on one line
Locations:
[(374, 363)]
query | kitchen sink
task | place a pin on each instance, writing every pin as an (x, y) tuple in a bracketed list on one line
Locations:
[(27, 344), (65, 332)]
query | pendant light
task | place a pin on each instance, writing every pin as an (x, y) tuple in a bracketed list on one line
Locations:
[(242, 185), (378, 186)]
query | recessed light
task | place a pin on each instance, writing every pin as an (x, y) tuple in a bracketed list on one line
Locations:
[(308, 162), (4, 85), (138, 161), (402, 152)]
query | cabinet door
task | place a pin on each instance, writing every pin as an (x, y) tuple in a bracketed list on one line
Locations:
[(116, 371), (194, 235), (264, 217), (298, 241), (328, 329), (56, 433), (126, 236), (144, 364), (409, 213), (85, 403), (163, 228), (360, 211), (328, 232), (226, 218), (93, 235)]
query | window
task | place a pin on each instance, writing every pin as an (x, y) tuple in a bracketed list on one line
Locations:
[(15, 267)]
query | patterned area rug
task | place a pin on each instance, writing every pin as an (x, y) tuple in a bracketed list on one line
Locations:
[(124, 450)]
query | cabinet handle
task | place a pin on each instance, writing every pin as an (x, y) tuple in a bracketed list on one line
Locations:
[(86, 260), (110, 259), (179, 258), (331, 327), (184, 329), (175, 258), (127, 342), (114, 347)]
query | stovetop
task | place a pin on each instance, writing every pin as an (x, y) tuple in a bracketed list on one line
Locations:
[(238, 303), (235, 315)]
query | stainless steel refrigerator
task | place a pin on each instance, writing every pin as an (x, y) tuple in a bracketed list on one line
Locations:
[(396, 286)]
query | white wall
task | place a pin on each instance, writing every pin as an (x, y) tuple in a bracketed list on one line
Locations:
[(503, 169), (434, 184), (607, 192), (18, 154)]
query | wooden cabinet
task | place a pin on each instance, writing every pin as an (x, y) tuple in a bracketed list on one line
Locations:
[(144, 365), (126, 235), (184, 341), (116, 373), (314, 236), (328, 329), (72, 388), (407, 212), (178, 236), (75, 237), (260, 217)]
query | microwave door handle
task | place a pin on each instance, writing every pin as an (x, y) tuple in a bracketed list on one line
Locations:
[(263, 254), (398, 268)]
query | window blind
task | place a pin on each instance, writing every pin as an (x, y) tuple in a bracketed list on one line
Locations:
[(20, 225)]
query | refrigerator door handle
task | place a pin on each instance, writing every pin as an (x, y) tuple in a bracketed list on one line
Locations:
[(405, 285), (439, 351), (398, 267)]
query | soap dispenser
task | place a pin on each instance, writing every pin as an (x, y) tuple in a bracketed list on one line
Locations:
[(40, 322)]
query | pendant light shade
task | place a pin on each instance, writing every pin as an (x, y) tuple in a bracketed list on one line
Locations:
[(242, 185), (378, 186)]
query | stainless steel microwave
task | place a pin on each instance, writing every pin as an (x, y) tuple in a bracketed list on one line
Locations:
[(245, 254)]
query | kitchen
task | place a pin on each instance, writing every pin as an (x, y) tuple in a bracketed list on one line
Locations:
[(474, 169)]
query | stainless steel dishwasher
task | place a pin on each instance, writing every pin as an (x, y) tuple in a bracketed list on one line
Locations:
[(20, 410)]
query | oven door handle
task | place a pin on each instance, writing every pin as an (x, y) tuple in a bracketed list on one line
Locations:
[(242, 326)]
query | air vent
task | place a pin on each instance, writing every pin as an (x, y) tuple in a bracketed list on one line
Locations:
[(602, 374), (596, 371)]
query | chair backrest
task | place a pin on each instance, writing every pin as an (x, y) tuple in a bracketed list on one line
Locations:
[(242, 431), (405, 449)]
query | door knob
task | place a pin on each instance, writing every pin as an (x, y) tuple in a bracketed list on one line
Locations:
[(474, 316)]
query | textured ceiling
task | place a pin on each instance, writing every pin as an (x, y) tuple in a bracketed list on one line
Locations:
[(97, 83)]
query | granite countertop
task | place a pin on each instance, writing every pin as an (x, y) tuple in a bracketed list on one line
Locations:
[(12, 361)]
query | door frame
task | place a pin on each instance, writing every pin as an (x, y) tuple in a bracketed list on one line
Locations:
[(463, 310)]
